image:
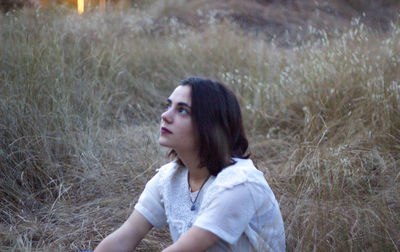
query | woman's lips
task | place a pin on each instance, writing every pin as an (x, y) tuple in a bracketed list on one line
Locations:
[(165, 131)]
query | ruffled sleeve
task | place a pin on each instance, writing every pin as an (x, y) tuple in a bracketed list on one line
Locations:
[(228, 215), (150, 203), (232, 201)]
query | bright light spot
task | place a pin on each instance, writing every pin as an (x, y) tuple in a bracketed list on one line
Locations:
[(81, 6)]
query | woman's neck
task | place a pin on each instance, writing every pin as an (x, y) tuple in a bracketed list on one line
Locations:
[(197, 175)]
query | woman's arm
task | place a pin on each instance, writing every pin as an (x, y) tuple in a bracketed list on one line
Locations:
[(128, 236), (195, 239)]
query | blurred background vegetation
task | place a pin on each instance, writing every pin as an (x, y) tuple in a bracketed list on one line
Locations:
[(80, 104)]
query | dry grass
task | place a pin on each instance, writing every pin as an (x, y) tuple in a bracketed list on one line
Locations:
[(79, 113)]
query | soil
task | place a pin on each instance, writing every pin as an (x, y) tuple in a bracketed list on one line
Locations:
[(284, 20)]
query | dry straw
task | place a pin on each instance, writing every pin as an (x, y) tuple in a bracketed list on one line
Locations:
[(79, 111)]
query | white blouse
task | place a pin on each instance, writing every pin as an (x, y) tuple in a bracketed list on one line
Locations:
[(237, 205)]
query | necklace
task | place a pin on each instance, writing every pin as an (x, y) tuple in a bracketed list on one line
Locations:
[(193, 207)]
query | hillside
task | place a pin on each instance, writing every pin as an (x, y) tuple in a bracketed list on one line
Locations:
[(285, 21)]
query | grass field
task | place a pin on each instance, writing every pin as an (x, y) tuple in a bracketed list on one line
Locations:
[(80, 104)]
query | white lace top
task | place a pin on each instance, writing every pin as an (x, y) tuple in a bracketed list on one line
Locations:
[(237, 205)]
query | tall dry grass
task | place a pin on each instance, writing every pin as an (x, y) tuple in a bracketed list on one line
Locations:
[(79, 110)]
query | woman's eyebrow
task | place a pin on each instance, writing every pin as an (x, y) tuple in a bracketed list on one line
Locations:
[(180, 103)]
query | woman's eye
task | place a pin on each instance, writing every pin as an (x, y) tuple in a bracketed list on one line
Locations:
[(167, 106), (183, 111)]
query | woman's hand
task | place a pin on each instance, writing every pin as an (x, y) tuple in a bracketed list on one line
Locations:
[(195, 239), (128, 236)]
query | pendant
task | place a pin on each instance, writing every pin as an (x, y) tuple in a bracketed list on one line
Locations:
[(193, 208)]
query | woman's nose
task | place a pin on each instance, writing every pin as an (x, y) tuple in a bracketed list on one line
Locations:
[(166, 116)]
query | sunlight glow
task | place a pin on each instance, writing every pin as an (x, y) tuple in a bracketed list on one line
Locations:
[(81, 6)]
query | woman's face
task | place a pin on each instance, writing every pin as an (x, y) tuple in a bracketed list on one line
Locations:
[(177, 130)]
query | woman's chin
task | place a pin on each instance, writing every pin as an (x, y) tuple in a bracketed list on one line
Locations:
[(162, 143)]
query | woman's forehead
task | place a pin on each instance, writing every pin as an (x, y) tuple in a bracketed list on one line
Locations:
[(181, 94)]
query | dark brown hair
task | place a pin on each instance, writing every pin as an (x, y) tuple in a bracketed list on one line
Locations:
[(218, 121)]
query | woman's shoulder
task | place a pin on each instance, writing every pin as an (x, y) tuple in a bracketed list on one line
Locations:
[(168, 167), (243, 177), (168, 170), (242, 171)]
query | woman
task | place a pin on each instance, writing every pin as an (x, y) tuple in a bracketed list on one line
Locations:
[(212, 197)]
